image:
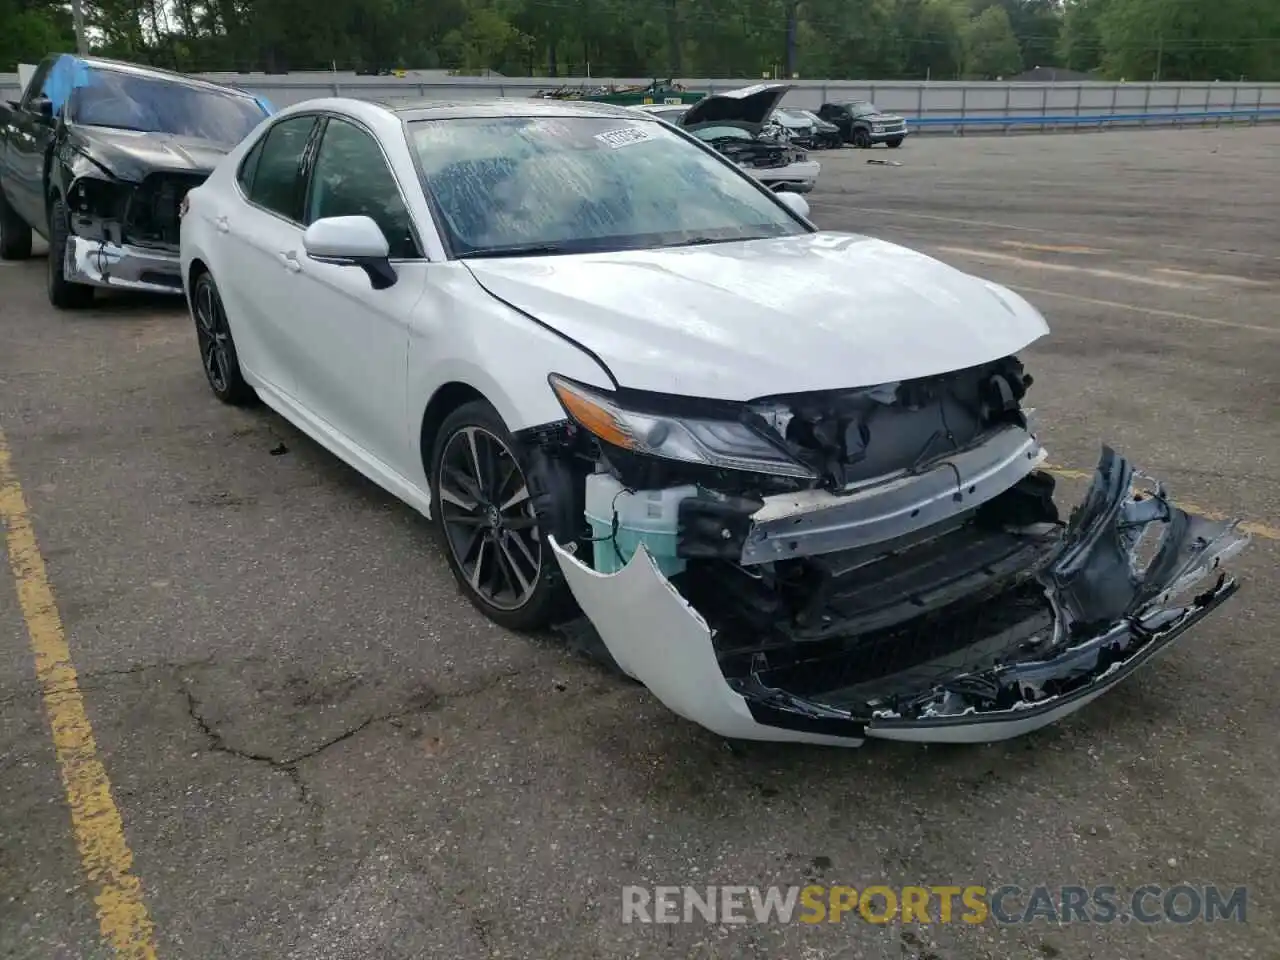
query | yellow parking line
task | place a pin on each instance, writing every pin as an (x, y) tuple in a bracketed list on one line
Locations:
[(1263, 530), (104, 853)]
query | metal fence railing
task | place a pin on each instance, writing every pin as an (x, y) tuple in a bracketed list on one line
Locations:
[(959, 107)]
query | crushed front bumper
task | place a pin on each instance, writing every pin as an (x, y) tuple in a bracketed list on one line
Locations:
[(98, 263), (1105, 611)]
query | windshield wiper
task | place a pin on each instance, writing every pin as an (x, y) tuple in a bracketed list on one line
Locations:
[(703, 241), (521, 250), (115, 126)]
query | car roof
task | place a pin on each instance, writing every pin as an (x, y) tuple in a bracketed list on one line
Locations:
[(157, 73), (508, 107)]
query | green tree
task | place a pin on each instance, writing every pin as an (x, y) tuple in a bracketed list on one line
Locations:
[(1080, 46), (990, 47), (1190, 39)]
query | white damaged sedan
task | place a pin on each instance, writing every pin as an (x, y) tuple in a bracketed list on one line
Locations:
[(788, 475)]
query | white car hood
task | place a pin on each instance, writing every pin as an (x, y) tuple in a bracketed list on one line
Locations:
[(737, 321)]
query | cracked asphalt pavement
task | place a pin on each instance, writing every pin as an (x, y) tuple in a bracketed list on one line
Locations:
[(319, 750)]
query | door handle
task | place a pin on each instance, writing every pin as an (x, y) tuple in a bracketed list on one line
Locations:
[(222, 224), (290, 260)]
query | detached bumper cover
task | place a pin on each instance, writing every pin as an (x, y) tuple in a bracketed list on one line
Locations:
[(121, 267), (796, 177), (1106, 615)]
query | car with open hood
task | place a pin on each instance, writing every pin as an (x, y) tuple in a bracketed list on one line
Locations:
[(788, 478), (739, 124), (863, 124), (97, 155)]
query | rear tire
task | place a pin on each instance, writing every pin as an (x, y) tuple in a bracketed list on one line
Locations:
[(15, 235), (895, 143), (217, 349), (493, 522), (62, 293)]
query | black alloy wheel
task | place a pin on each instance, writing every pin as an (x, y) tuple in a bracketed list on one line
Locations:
[(217, 349), (485, 508), (488, 518)]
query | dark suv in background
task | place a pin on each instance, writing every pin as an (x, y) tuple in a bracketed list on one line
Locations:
[(863, 125)]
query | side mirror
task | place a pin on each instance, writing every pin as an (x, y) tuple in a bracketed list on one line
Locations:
[(351, 242), (795, 203), (41, 106)]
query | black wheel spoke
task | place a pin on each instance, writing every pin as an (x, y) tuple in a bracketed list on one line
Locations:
[(523, 550), (461, 490)]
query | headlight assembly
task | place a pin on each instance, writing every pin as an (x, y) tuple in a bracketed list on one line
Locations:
[(726, 444)]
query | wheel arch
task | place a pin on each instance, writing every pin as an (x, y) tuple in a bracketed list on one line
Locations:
[(195, 269), (447, 398)]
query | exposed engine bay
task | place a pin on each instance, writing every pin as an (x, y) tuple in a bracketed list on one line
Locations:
[(900, 570), (759, 153), (142, 214)]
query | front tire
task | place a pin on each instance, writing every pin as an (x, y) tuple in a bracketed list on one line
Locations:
[(62, 293), (862, 138), (485, 511), (15, 235), (217, 349)]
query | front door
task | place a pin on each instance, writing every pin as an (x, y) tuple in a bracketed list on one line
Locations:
[(353, 340)]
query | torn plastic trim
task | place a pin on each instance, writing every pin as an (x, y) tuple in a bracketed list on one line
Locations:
[(660, 640), (657, 638), (812, 522), (974, 726)]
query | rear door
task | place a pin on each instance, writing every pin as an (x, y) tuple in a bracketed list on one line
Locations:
[(261, 223), (353, 340)]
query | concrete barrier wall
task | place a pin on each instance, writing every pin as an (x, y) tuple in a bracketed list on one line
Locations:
[(956, 106)]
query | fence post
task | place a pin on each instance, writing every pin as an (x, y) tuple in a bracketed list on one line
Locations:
[(1146, 105), (1177, 107), (920, 101), (337, 90), (1044, 106), (1235, 96), (1008, 98), (1257, 116), (964, 97)]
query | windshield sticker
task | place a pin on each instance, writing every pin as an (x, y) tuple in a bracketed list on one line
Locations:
[(624, 137)]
